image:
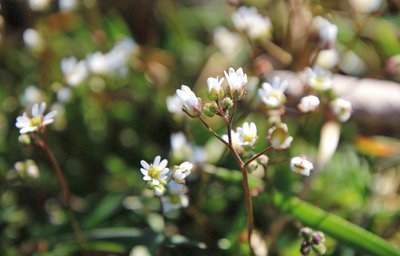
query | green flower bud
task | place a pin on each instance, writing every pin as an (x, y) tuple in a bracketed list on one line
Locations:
[(210, 109), (227, 103)]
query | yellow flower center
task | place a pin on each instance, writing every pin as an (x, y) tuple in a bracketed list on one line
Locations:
[(248, 138), (37, 120), (154, 172)]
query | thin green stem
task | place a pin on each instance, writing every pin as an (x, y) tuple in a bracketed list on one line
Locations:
[(257, 156), (249, 207)]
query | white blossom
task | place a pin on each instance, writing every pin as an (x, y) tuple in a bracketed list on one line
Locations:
[(250, 21), (182, 171), (97, 63), (174, 104), (301, 165), (33, 39), (38, 5), (236, 143), (180, 147), (226, 41), (341, 108), (327, 32), (190, 101), (308, 103), (247, 134), (236, 81), (27, 168), (175, 198), (327, 59), (67, 5), (155, 173), (366, 6), (272, 94), (278, 137), (36, 121), (215, 89), (75, 72), (319, 79), (31, 95)]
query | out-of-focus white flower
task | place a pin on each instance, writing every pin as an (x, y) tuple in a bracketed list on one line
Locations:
[(191, 103), (352, 64), (37, 121), (278, 137), (31, 95), (175, 198), (247, 134), (67, 5), (64, 94), (236, 81), (250, 21), (341, 108), (97, 63), (365, 6), (155, 173), (180, 147), (182, 171), (118, 57), (327, 32), (174, 104), (159, 190), (272, 94), (226, 41), (327, 59), (215, 90), (75, 72), (39, 5), (33, 40), (27, 168), (308, 103), (301, 165), (319, 79), (236, 143)]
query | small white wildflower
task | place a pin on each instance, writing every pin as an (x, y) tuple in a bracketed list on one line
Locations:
[(27, 168), (67, 5), (155, 173), (278, 137), (237, 81), (366, 6), (64, 94), (75, 72), (250, 21), (215, 90), (308, 103), (319, 79), (33, 40), (272, 94), (97, 63), (175, 198), (301, 165), (327, 32), (182, 171), (118, 57), (191, 103), (159, 190), (31, 95), (236, 143), (247, 134), (39, 5), (341, 108), (327, 59), (180, 147), (174, 104), (37, 121), (226, 41)]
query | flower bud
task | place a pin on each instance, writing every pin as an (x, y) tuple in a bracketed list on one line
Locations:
[(320, 249), (191, 103), (306, 233), (227, 103), (215, 90), (305, 248), (210, 109), (318, 237), (341, 108), (24, 139), (301, 165)]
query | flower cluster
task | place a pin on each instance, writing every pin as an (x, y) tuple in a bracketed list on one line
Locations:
[(312, 240), (169, 185)]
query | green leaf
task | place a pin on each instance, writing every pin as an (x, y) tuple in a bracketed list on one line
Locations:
[(331, 224)]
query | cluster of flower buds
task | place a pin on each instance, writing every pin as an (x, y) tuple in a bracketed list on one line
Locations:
[(312, 240), (167, 184)]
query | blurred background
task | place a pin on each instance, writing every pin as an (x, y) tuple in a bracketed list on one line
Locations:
[(107, 67)]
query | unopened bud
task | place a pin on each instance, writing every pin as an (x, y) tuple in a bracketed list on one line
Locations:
[(227, 103), (305, 248), (320, 249), (210, 109), (24, 139), (306, 233), (318, 237)]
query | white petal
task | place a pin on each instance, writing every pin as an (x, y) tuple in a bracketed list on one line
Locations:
[(157, 160), (145, 164)]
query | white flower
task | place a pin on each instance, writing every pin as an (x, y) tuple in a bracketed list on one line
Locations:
[(64, 94), (27, 168), (190, 102), (31, 95), (180, 147), (308, 103), (273, 94), (74, 72), (319, 79), (118, 57), (36, 121), (226, 41), (159, 190), (174, 104), (67, 5), (327, 32), (301, 165), (365, 6), (38, 5), (236, 80), (33, 40), (97, 63), (278, 137), (327, 59), (155, 173), (249, 20), (215, 89), (247, 134), (341, 108), (236, 143), (182, 171), (175, 198)]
